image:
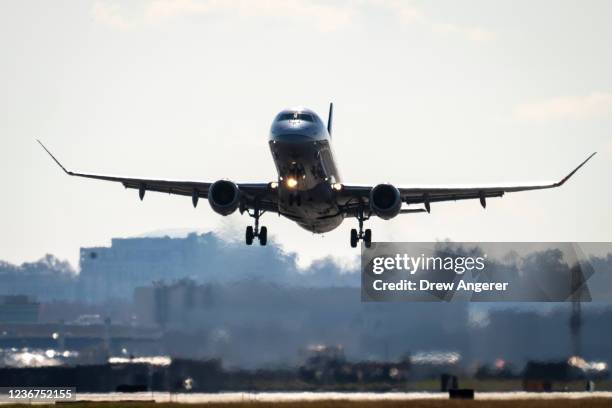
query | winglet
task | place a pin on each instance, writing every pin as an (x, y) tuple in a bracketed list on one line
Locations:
[(560, 183), (54, 159)]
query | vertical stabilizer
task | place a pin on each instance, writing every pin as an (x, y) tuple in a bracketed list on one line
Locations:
[(330, 118)]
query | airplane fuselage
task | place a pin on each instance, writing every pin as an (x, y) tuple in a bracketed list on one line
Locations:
[(307, 172)]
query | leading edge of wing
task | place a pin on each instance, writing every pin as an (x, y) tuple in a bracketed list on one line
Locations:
[(180, 187), (510, 189), (124, 180), (422, 189)]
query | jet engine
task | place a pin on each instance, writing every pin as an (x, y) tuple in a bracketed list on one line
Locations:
[(385, 201), (224, 197)]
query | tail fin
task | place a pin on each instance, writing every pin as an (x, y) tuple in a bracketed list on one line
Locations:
[(330, 118)]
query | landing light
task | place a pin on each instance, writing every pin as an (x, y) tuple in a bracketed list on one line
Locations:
[(274, 185), (291, 182), (337, 186)]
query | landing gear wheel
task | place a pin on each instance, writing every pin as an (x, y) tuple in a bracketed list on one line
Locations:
[(366, 235), (354, 238), (263, 236), (290, 200), (298, 200), (249, 235), (367, 238)]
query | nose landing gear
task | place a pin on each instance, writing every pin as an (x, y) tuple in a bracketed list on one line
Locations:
[(252, 232), (366, 235)]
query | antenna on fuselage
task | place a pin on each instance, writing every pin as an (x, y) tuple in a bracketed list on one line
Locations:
[(330, 118)]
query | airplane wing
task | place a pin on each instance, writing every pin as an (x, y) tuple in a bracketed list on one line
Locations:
[(252, 192), (355, 196)]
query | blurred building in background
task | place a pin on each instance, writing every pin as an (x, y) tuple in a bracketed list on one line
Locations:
[(114, 272)]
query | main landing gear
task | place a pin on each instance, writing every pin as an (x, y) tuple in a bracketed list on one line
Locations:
[(252, 232), (366, 235)]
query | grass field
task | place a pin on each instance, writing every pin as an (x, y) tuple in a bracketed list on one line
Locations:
[(551, 403)]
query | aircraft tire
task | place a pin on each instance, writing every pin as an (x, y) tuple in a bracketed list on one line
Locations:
[(249, 235), (263, 236), (367, 238), (354, 238)]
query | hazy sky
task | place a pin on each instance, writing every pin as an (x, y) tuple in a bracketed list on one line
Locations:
[(471, 92)]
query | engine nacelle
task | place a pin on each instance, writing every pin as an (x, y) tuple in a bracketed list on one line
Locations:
[(224, 197), (385, 201)]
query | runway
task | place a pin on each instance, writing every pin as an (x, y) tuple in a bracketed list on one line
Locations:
[(233, 397)]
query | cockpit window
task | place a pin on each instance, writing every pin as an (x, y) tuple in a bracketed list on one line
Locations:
[(296, 116)]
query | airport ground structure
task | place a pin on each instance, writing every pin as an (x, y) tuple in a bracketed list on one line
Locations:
[(209, 376)]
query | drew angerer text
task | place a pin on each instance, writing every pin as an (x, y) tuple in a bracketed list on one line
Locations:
[(424, 284)]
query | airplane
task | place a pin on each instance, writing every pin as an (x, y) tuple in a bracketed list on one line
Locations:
[(309, 190)]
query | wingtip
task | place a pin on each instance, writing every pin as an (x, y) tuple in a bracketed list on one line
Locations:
[(576, 169), (586, 160), (53, 157)]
